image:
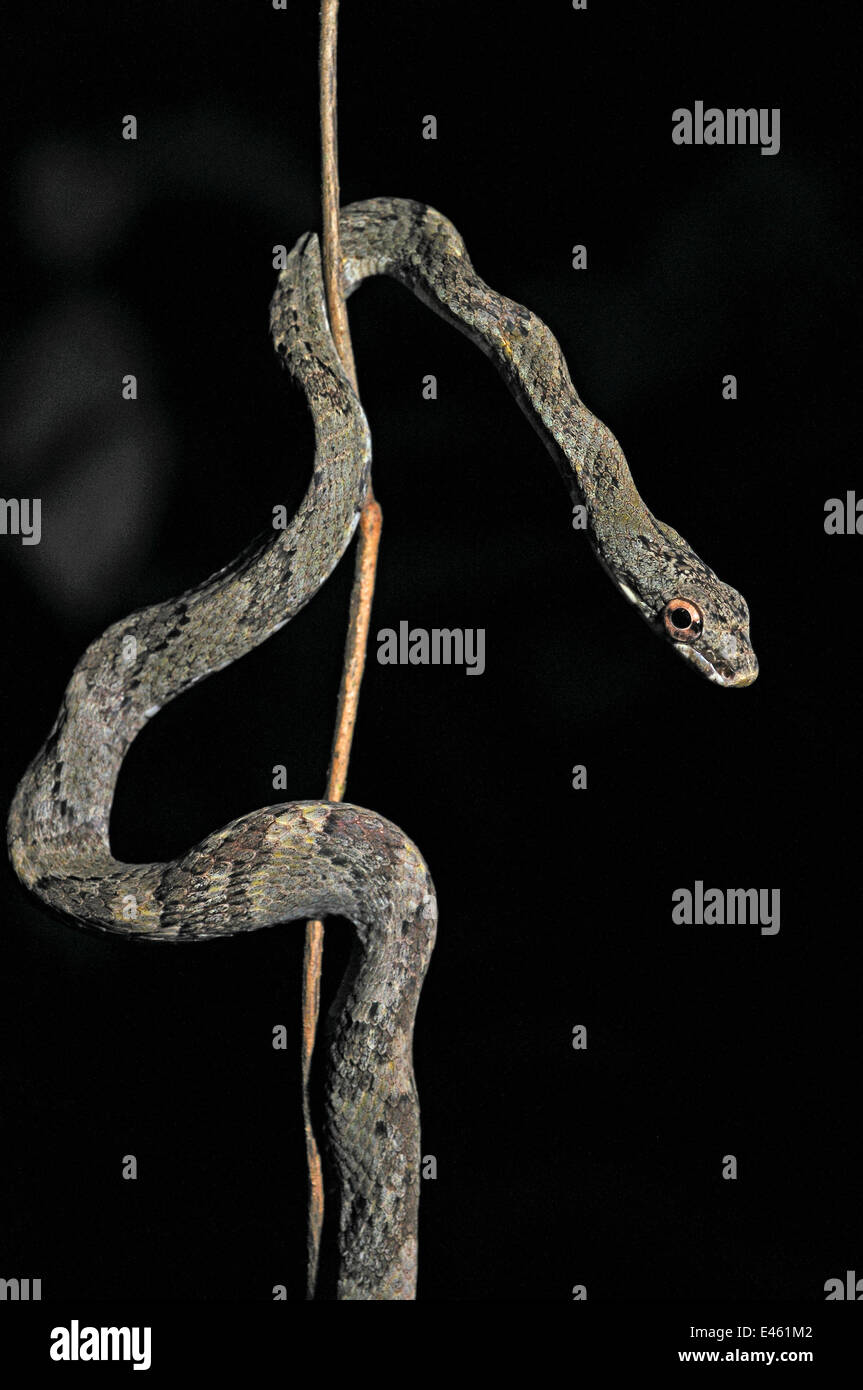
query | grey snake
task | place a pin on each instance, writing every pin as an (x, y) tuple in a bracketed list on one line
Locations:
[(312, 859)]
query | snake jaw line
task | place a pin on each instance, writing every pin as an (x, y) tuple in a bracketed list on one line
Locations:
[(734, 680)]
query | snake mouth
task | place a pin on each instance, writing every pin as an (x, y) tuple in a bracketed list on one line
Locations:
[(731, 678)]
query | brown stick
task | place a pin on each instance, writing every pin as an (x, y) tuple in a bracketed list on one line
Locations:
[(332, 246), (360, 608)]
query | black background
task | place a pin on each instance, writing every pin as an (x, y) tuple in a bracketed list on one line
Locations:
[(555, 1167)]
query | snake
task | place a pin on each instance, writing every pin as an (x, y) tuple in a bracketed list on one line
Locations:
[(311, 859)]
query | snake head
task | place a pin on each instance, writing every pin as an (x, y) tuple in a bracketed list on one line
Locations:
[(709, 626), (704, 619), (685, 603)]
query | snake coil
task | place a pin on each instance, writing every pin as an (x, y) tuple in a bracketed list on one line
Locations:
[(310, 859)]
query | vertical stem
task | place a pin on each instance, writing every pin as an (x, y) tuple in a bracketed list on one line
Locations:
[(360, 607), (332, 247)]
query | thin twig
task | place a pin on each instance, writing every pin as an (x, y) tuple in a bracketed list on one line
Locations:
[(360, 607), (332, 246)]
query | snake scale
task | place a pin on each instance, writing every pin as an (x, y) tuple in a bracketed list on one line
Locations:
[(310, 859)]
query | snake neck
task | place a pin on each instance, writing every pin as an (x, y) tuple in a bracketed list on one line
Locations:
[(650, 563), (420, 248)]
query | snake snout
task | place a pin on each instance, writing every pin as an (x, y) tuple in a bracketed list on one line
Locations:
[(736, 674), (746, 676), (734, 661)]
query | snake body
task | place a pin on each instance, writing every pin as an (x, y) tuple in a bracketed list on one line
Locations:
[(311, 859)]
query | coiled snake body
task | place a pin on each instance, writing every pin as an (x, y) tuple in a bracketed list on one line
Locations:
[(310, 859)]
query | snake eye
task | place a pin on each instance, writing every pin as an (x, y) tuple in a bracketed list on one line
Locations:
[(683, 620)]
